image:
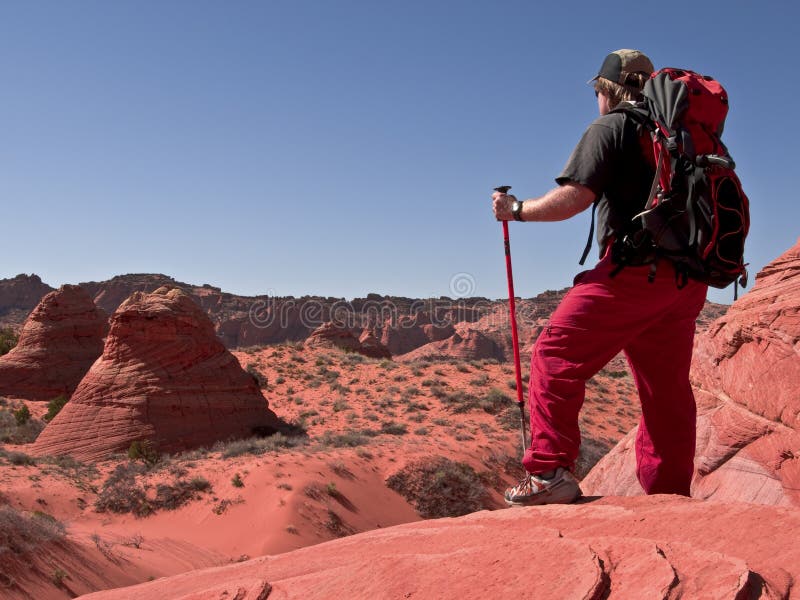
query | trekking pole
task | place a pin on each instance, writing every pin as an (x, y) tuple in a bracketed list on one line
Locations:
[(503, 189)]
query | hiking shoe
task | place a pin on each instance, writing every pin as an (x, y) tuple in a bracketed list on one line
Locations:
[(562, 488)]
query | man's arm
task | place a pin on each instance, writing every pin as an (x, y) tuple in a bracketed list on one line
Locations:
[(558, 204)]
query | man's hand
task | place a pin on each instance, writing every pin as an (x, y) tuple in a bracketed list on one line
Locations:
[(501, 205)]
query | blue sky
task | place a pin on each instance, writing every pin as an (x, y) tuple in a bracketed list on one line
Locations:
[(345, 147)]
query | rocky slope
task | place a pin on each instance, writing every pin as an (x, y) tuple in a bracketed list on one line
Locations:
[(613, 547), (58, 343), (746, 373), (163, 376)]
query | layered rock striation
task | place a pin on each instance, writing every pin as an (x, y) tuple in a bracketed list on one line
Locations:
[(746, 373), (164, 376), (58, 343), (650, 547)]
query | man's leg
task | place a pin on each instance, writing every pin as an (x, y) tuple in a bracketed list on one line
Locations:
[(660, 358)]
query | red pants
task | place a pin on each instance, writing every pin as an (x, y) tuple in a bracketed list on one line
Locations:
[(653, 323)]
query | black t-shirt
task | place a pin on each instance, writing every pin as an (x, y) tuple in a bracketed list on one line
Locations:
[(609, 160)]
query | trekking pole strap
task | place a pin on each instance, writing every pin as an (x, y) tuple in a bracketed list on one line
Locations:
[(591, 236)]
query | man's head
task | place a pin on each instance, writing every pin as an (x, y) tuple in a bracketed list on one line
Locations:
[(622, 76)]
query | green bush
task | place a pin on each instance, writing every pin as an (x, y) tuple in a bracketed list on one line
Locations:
[(440, 487), (8, 340), (22, 415), (237, 481), (54, 407), (145, 451)]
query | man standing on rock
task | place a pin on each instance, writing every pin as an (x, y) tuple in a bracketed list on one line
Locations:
[(652, 322)]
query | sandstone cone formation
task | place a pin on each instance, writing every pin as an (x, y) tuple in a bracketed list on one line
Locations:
[(651, 547), (746, 376), (164, 376), (60, 340)]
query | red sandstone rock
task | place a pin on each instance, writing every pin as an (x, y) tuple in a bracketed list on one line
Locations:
[(60, 340), (163, 376), (648, 547), (18, 297), (746, 373), (334, 335), (370, 346), (466, 343)]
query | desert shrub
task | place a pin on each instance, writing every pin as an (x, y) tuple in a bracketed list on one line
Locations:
[(260, 445), (336, 525), (180, 492), (8, 340), (341, 469), (145, 451), (18, 458), (438, 391), (121, 493), (340, 405), (387, 364), (22, 415), (12, 432), (54, 407), (260, 379), (350, 439), (495, 401), (591, 451), (21, 533), (509, 418), (394, 428), (237, 481), (479, 381), (439, 487), (461, 402)]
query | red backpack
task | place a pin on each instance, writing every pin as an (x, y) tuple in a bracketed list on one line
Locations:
[(697, 215)]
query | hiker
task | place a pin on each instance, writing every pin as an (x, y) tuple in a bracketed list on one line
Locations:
[(653, 322)]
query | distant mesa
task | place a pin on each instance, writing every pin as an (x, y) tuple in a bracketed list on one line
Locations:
[(58, 343), (746, 373), (163, 376)]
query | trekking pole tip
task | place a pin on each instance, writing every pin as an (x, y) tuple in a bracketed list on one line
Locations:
[(503, 189)]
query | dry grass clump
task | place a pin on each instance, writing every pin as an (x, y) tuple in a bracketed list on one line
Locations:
[(440, 487), (22, 533), (258, 445)]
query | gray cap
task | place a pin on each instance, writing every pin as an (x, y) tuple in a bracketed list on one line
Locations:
[(619, 64)]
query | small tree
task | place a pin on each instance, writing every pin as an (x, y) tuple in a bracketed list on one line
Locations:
[(54, 407), (22, 415)]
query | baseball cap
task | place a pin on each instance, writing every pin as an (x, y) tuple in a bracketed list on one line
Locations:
[(620, 63)]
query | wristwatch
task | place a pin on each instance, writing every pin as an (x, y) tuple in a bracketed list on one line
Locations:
[(516, 210)]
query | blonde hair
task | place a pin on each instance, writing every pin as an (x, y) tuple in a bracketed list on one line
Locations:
[(616, 93)]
